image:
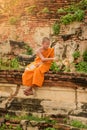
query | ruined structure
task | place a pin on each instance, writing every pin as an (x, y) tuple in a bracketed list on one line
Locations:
[(63, 93), (34, 20)]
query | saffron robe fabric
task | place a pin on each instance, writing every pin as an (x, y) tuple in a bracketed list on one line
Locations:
[(35, 75)]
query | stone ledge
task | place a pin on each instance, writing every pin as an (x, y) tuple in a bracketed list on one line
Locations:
[(72, 80), (62, 93), (47, 101)]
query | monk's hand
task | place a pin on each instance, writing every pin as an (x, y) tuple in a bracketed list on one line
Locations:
[(55, 58)]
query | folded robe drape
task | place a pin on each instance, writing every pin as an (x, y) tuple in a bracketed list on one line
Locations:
[(36, 76)]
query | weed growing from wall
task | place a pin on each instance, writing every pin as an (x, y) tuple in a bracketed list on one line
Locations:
[(13, 20), (85, 56), (30, 9), (54, 67), (56, 28), (14, 63), (76, 54), (29, 50), (45, 10), (81, 67)]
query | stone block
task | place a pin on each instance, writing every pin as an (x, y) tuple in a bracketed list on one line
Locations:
[(54, 100), (81, 96), (32, 128), (7, 89)]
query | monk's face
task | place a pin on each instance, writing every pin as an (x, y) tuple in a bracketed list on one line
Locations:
[(46, 44)]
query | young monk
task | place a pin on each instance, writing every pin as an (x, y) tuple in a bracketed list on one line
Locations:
[(34, 72)]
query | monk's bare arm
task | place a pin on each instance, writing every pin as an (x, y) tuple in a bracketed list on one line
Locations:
[(42, 57)]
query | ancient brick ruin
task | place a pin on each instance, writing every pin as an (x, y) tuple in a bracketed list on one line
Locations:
[(67, 94), (63, 93)]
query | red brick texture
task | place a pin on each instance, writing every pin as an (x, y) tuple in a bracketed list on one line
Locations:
[(61, 79)]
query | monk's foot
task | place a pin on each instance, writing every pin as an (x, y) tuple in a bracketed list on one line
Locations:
[(27, 93), (28, 89)]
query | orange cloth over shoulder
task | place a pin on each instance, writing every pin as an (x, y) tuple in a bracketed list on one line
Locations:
[(35, 75)]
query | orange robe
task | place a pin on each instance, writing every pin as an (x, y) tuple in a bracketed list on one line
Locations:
[(36, 76)]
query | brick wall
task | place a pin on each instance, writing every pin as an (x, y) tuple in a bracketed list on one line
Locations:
[(31, 28), (72, 80), (52, 5)]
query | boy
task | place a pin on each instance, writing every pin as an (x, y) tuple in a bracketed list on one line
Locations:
[(34, 72)]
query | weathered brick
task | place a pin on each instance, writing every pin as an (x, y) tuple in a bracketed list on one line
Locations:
[(71, 80)]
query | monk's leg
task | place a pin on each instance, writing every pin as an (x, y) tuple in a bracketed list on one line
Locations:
[(37, 81), (27, 81), (38, 78), (27, 78), (32, 79)]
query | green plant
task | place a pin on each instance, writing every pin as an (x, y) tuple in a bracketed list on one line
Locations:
[(1, 61), (81, 67), (7, 117), (45, 10), (13, 20), (67, 19), (30, 117), (54, 67), (76, 54), (9, 64), (78, 124), (65, 120), (61, 10), (29, 50), (56, 28), (30, 9), (10, 127), (50, 121), (66, 69), (3, 127), (49, 128), (85, 55), (79, 15), (14, 63), (18, 128), (37, 119), (71, 9), (83, 4)]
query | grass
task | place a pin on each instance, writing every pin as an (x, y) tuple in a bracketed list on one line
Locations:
[(26, 117), (10, 127), (47, 120), (49, 128), (78, 124)]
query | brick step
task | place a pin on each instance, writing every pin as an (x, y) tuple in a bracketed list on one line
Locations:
[(44, 97)]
